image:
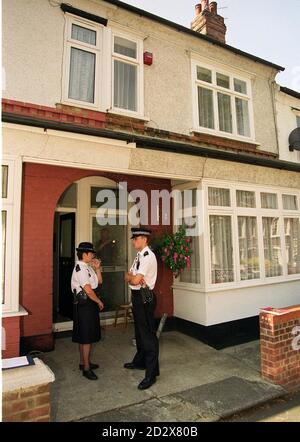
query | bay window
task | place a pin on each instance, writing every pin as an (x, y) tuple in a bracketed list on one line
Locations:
[(223, 104)]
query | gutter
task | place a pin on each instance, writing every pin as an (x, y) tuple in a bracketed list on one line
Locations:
[(153, 143), (181, 28), (290, 92)]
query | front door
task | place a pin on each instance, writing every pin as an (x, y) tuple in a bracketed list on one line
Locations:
[(110, 243), (66, 264)]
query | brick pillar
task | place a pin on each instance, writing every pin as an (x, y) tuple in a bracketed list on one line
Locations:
[(280, 346), (26, 393)]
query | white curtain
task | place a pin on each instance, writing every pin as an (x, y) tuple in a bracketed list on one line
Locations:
[(125, 47), (218, 197), (82, 75), (292, 244), (268, 200), (206, 108), (83, 34), (245, 198), (248, 248), (242, 117), (221, 249), (225, 115), (125, 85), (289, 202), (192, 273), (272, 247)]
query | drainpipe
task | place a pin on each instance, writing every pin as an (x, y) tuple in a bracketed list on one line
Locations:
[(273, 86)]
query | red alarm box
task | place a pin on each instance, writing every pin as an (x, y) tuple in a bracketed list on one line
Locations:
[(148, 58)]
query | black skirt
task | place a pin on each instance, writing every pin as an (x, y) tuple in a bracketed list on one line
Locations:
[(86, 323)]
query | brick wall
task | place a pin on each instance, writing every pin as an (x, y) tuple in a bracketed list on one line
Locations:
[(42, 187), (280, 346), (10, 337), (27, 405)]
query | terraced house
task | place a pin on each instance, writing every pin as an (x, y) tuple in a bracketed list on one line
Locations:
[(98, 92)]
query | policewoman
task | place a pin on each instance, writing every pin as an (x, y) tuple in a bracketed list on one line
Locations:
[(143, 272), (86, 326)]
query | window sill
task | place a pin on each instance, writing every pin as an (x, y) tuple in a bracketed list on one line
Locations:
[(224, 135), (20, 312), (127, 114)]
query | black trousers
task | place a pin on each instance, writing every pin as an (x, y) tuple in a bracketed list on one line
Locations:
[(145, 335)]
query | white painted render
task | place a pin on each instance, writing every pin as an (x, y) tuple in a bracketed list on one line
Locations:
[(234, 304), (33, 54)]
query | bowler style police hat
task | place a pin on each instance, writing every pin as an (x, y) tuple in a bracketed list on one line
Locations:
[(140, 231), (85, 247)]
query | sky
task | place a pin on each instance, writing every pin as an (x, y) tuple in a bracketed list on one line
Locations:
[(269, 29)]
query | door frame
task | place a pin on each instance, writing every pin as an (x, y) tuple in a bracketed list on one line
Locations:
[(83, 231)]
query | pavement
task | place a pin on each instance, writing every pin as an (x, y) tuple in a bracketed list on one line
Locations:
[(196, 384)]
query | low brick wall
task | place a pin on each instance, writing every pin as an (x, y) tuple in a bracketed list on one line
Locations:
[(26, 393), (280, 346)]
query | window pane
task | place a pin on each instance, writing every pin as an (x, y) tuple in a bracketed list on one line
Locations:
[(4, 181), (245, 198), (248, 246), (206, 108), (69, 197), (83, 34), (221, 249), (218, 197), (292, 244), (272, 247), (82, 75), (110, 196), (4, 219), (225, 115), (298, 121), (240, 86), (204, 74), (269, 201), (192, 272), (125, 47), (125, 85), (242, 117), (223, 80), (289, 202)]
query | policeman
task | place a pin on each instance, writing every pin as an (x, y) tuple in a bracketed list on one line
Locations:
[(86, 326), (143, 272)]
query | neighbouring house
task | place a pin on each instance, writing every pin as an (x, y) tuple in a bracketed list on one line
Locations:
[(99, 92)]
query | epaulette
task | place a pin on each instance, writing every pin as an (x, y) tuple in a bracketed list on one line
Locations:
[(77, 268), (146, 253)]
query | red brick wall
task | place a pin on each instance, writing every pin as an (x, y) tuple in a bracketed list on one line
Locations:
[(280, 347), (42, 187), (10, 337)]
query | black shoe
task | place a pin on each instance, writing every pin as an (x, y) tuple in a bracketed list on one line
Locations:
[(92, 366), (132, 366), (146, 383), (89, 374)]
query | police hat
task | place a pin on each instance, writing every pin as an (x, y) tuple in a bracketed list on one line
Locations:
[(85, 247), (140, 231)]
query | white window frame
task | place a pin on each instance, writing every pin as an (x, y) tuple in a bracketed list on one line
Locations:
[(232, 74), (104, 82), (12, 205), (138, 62), (256, 212)]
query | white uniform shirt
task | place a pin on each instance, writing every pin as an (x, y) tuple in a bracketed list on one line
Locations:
[(145, 264), (83, 274)]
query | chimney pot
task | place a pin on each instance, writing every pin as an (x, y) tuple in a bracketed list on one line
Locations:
[(198, 8), (213, 7), (204, 4)]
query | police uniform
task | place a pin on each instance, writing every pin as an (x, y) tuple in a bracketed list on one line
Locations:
[(86, 325), (146, 357)]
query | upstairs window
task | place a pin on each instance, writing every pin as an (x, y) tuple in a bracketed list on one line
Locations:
[(223, 102)]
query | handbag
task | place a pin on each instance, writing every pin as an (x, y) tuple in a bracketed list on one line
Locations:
[(147, 294), (81, 297)]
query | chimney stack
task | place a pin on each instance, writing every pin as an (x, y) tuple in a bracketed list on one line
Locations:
[(208, 22)]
